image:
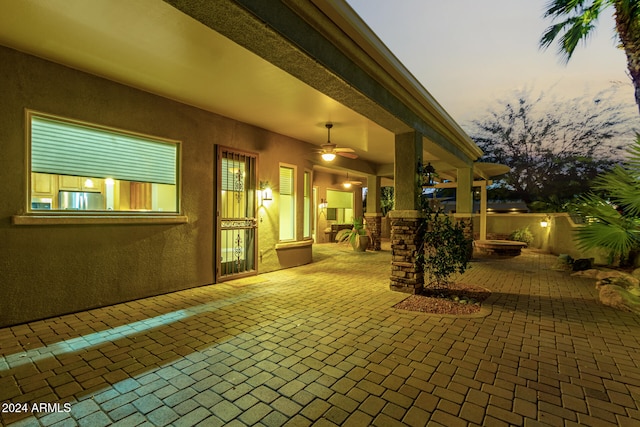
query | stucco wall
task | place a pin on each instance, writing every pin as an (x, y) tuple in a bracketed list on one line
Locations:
[(561, 240), (324, 181), (505, 224), (50, 270), (557, 238)]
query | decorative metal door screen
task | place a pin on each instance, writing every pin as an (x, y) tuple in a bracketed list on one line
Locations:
[(236, 229)]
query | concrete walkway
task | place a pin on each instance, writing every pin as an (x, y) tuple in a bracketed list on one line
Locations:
[(322, 345)]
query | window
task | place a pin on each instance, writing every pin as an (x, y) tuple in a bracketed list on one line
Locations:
[(287, 204), (77, 166), (340, 206), (307, 205)]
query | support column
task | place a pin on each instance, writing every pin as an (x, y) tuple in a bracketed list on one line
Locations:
[(464, 192), (408, 153), (406, 246), (483, 210), (406, 241), (373, 215), (464, 204)]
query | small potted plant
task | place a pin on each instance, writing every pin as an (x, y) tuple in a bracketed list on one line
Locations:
[(358, 236)]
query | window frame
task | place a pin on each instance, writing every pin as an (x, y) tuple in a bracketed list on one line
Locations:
[(294, 183), (29, 216), (307, 204)]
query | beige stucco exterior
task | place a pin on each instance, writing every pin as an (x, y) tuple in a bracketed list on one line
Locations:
[(207, 74), (53, 269), (48, 270)]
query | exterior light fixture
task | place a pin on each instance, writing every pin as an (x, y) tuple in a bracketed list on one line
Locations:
[(266, 194), (348, 183), (427, 173), (328, 157), (545, 222), (330, 150), (88, 183)]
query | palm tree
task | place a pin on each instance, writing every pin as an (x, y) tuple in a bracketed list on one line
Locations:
[(577, 19), (612, 217)]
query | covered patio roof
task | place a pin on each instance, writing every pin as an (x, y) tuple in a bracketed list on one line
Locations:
[(243, 60)]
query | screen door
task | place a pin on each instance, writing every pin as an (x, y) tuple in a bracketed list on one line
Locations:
[(236, 245)]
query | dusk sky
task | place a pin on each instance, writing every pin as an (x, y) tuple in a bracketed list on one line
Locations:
[(468, 53)]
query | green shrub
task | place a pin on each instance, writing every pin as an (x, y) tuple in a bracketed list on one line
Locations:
[(522, 235), (445, 247)]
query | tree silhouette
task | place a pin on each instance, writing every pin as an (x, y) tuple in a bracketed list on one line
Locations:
[(554, 148)]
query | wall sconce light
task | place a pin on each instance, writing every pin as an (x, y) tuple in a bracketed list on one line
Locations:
[(427, 174), (266, 194), (322, 206), (546, 221)]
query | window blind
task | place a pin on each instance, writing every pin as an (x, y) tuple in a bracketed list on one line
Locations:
[(64, 148), (339, 199), (286, 181)]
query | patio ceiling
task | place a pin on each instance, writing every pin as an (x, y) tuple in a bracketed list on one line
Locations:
[(154, 47)]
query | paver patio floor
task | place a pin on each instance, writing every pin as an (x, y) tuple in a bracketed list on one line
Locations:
[(322, 345)]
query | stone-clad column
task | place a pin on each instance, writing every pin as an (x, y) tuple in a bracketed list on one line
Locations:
[(374, 225), (406, 241), (373, 216), (406, 246)]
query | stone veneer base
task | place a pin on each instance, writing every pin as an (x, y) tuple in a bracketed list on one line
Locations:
[(405, 248)]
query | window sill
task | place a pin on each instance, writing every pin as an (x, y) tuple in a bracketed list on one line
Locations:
[(88, 219), (294, 244)]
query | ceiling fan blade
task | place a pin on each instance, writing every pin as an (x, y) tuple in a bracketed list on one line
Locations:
[(348, 155), (344, 150)]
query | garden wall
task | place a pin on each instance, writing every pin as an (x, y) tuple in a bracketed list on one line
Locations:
[(556, 238)]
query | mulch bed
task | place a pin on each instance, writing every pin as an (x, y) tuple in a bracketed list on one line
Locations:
[(447, 300)]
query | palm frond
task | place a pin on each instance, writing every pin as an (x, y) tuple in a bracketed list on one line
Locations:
[(605, 227), (618, 239), (623, 188), (558, 8), (592, 208), (578, 22), (634, 155), (622, 183)]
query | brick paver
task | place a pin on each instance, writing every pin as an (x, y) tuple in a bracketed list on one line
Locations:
[(322, 345)]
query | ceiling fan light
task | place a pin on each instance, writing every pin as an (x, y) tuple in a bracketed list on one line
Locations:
[(328, 157), (347, 184)]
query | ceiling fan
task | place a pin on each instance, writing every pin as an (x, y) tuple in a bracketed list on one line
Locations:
[(330, 150), (348, 183)]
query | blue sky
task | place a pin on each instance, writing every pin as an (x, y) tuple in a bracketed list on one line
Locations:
[(468, 53)]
